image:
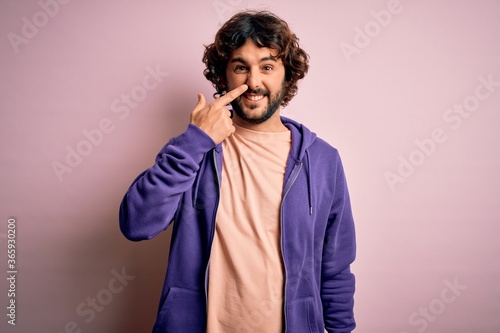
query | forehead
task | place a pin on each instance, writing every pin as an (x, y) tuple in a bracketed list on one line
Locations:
[(251, 52)]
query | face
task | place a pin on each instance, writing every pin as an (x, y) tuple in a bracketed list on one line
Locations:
[(264, 74)]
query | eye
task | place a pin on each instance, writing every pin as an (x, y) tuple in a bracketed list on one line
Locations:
[(240, 69), (267, 68)]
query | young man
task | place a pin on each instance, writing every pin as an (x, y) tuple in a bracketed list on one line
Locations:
[(263, 234)]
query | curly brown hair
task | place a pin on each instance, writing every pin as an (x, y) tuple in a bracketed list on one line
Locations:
[(266, 30)]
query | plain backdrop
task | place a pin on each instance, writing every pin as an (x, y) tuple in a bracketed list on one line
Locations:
[(408, 91)]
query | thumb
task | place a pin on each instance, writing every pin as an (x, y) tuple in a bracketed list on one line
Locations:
[(201, 102)]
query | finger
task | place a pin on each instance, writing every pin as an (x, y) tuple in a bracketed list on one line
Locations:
[(232, 95), (201, 102)]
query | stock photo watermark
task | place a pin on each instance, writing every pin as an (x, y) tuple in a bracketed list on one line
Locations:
[(11, 270), (226, 8), (121, 108), (31, 26), (87, 310), (425, 315), (364, 35), (453, 117)]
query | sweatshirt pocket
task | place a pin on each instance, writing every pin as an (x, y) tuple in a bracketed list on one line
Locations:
[(301, 316), (182, 311)]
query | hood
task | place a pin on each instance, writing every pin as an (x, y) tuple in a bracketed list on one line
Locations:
[(302, 139)]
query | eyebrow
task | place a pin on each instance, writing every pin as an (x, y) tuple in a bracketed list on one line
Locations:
[(243, 61)]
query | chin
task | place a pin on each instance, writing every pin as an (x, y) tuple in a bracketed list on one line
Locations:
[(255, 117)]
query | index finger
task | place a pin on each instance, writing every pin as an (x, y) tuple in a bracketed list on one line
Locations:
[(232, 95)]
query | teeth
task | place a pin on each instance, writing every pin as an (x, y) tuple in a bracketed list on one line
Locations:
[(255, 97)]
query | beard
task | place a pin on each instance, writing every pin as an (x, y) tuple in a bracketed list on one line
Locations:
[(273, 105)]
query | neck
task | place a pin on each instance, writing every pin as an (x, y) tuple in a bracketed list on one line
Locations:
[(273, 124)]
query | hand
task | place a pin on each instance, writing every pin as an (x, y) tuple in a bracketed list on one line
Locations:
[(214, 118)]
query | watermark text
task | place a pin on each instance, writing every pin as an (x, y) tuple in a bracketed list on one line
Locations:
[(121, 108), (31, 26), (453, 117), (11, 270)]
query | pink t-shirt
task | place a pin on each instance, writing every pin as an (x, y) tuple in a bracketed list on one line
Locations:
[(245, 292)]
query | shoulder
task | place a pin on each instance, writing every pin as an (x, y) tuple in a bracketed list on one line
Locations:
[(321, 147)]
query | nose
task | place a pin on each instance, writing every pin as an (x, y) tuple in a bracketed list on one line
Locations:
[(253, 80)]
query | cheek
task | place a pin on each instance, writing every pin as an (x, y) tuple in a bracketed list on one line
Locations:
[(280, 80), (235, 80), (280, 83)]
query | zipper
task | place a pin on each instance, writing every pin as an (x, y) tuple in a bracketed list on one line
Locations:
[(298, 166), (213, 230)]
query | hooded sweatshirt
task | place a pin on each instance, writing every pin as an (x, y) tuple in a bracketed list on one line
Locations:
[(317, 230)]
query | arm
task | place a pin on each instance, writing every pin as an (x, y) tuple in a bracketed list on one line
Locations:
[(152, 200), (338, 283)]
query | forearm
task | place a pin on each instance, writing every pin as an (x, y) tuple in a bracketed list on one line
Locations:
[(338, 303)]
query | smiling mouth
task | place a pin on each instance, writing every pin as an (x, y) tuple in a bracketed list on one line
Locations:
[(254, 98)]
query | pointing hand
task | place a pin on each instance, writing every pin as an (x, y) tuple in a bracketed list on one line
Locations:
[(214, 118)]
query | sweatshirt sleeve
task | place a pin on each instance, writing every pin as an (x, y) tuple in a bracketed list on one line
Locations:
[(151, 201), (338, 283)]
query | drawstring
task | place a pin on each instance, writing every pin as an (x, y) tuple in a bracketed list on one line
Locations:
[(309, 180)]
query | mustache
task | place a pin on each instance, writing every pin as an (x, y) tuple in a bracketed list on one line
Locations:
[(258, 91)]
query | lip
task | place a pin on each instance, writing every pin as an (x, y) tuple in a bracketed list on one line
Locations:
[(254, 97)]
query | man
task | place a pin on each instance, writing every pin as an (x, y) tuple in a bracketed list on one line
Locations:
[(263, 234)]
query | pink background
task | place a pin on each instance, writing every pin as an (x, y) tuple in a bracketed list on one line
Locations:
[(428, 258)]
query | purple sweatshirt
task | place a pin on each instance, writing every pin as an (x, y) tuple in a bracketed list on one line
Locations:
[(317, 230)]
